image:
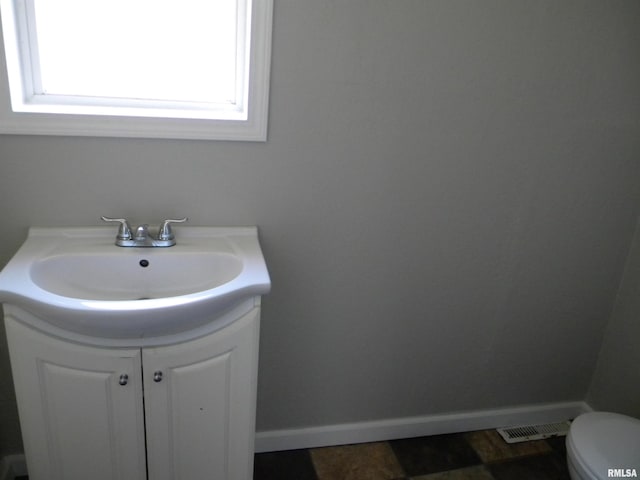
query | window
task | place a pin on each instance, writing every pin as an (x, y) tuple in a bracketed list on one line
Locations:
[(138, 68)]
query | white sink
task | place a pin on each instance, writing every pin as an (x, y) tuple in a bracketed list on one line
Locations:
[(77, 280), (145, 275)]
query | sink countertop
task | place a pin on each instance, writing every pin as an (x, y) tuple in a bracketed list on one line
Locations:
[(107, 293)]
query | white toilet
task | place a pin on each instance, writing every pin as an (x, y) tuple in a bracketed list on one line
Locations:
[(602, 445)]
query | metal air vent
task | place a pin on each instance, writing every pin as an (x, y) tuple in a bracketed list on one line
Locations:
[(533, 432)]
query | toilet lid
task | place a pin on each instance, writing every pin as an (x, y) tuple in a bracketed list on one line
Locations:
[(604, 441)]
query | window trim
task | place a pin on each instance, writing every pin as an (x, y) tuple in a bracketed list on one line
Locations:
[(249, 125)]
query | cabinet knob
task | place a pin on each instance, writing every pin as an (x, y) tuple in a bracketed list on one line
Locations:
[(124, 379), (157, 376)]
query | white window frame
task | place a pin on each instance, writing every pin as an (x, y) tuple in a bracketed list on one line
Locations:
[(23, 111)]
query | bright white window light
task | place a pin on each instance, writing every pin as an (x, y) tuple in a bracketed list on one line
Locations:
[(143, 49), (194, 68)]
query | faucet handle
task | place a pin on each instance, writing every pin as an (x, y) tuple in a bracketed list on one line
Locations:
[(165, 232), (124, 232)]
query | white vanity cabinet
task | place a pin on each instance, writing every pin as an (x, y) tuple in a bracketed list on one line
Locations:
[(183, 411)]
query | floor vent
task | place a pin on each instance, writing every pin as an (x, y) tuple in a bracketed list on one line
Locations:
[(533, 432)]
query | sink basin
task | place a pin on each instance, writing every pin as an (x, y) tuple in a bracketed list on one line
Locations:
[(148, 275), (76, 280)]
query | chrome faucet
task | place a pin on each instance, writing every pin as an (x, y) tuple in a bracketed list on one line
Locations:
[(142, 237)]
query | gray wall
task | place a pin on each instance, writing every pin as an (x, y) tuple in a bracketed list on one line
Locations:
[(616, 383), (445, 202)]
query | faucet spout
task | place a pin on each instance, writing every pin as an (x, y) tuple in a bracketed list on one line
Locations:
[(142, 233)]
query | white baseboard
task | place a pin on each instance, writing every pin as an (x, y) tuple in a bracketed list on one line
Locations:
[(379, 430), (12, 466)]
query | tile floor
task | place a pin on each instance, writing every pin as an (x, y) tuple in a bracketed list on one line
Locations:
[(481, 455)]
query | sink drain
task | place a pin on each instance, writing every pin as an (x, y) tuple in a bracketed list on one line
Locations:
[(144, 263)]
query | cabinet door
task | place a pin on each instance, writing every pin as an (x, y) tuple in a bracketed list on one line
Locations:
[(78, 421), (200, 403)]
